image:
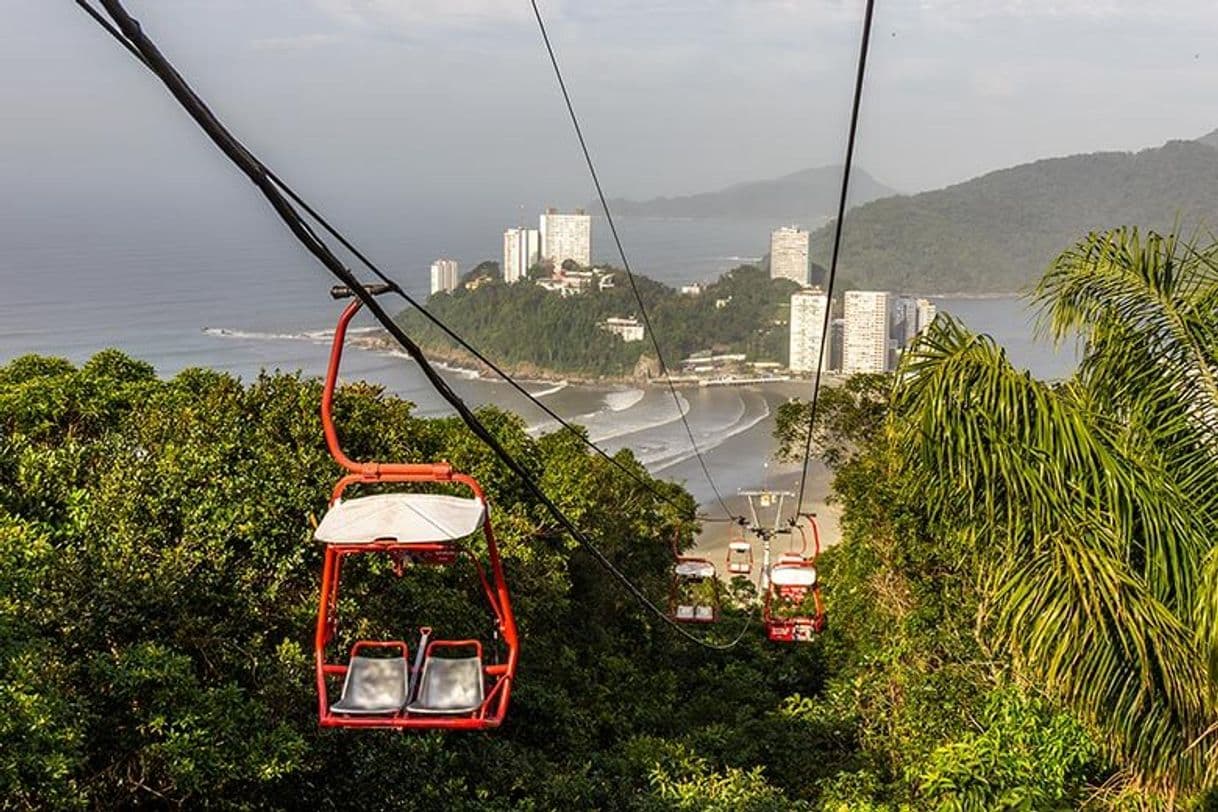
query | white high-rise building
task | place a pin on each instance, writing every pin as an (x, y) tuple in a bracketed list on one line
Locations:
[(865, 339), (789, 254), (444, 275), (521, 250), (566, 236), (807, 325), (926, 314)]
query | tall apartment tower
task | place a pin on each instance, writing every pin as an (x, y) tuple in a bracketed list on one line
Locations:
[(926, 314), (444, 275), (865, 339), (789, 254), (837, 331), (566, 236), (807, 324), (521, 250), (904, 320)]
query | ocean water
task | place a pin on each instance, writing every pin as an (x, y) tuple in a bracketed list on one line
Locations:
[(187, 285)]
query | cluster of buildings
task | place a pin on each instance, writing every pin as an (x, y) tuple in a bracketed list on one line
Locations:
[(873, 328), (869, 335), (557, 239)]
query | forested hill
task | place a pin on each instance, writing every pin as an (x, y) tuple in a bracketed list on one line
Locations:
[(537, 332), (802, 197), (998, 232)]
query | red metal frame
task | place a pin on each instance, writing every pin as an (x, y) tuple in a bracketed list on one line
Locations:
[(498, 676), (799, 628), (678, 580)]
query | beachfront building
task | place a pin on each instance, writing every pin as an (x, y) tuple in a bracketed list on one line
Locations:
[(630, 329), (445, 274), (926, 314), (808, 308), (521, 251), (837, 332), (566, 236), (789, 254), (865, 340), (904, 320)]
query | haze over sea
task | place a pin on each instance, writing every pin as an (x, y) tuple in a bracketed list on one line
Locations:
[(164, 289)]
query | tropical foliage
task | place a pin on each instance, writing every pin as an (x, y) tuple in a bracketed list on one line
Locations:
[(158, 596), (1071, 527)]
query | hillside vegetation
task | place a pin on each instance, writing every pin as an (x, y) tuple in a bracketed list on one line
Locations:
[(526, 327), (999, 232), (159, 594)]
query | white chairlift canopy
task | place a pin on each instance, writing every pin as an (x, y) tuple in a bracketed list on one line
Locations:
[(695, 569), (407, 518), (792, 575), (739, 546)]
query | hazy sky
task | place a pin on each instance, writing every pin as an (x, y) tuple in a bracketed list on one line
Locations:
[(441, 102)]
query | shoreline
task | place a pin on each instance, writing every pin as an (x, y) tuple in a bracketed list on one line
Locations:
[(460, 361)]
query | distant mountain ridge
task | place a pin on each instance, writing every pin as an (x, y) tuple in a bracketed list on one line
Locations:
[(999, 232), (803, 197)]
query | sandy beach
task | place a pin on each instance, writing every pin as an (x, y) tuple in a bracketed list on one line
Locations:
[(713, 540)]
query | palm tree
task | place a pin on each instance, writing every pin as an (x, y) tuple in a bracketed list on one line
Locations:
[(1091, 505)]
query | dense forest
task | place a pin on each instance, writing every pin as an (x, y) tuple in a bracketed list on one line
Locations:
[(527, 327), (998, 232), (1021, 608)]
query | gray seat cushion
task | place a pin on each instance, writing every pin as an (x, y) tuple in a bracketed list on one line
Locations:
[(374, 686), (449, 685)]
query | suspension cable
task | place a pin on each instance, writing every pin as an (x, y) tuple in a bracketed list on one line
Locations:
[(837, 244), (435, 320), (621, 251), (159, 65)]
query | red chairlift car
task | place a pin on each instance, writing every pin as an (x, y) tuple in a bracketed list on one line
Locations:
[(739, 557), (694, 591), (791, 581), (448, 685)]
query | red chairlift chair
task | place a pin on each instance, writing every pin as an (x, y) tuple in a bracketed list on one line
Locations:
[(439, 690), (694, 592), (791, 579), (739, 557)]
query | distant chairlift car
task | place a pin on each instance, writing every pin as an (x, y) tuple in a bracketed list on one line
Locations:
[(739, 557), (694, 592), (793, 611), (448, 685)]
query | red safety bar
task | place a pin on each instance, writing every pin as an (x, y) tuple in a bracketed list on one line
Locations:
[(498, 676)]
